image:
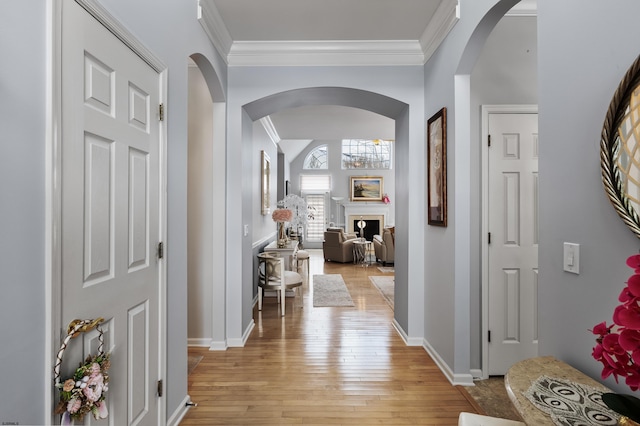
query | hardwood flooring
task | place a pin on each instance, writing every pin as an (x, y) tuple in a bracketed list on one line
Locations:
[(324, 366)]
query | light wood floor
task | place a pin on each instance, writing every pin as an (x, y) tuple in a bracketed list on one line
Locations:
[(328, 366)]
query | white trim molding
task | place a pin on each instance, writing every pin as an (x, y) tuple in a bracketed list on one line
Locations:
[(239, 343), (446, 16), (328, 52), (454, 379)]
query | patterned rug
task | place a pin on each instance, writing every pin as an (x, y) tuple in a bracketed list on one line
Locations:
[(385, 285), (330, 290), (569, 403)]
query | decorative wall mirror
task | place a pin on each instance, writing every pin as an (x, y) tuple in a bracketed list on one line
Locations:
[(620, 149)]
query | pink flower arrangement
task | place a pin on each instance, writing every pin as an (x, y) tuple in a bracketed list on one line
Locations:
[(85, 392), (618, 344), (282, 215)]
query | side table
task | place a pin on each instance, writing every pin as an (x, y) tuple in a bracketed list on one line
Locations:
[(361, 250)]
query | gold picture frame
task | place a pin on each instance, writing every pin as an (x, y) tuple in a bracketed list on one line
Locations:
[(265, 183), (437, 168), (366, 188)]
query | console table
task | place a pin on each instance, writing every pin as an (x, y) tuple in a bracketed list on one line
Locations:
[(522, 374), (287, 251)]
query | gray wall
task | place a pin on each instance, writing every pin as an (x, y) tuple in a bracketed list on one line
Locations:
[(22, 212), (249, 87), (264, 228), (579, 70), (506, 74), (23, 44)]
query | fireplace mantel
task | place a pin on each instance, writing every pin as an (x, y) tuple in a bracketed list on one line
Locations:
[(365, 209)]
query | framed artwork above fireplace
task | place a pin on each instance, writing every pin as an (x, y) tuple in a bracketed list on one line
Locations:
[(366, 188)]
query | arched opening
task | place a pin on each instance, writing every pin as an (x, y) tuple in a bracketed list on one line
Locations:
[(355, 98), (205, 223), (469, 98)]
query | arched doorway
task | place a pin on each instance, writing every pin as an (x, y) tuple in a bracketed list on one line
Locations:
[(240, 258), (205, 223)]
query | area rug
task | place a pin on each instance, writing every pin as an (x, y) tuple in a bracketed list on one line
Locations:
[(192, 362), (386, 269), (330, 290), (385, 285)]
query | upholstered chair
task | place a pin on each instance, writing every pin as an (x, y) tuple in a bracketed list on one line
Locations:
[(384, 246), (338, 245), (272, 275)]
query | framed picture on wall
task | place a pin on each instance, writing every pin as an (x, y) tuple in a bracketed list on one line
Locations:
[(265, 181), (366, 188), (437, 168)]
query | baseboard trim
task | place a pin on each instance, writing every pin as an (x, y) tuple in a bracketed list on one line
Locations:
[(454, 379), (180, 412), (218, 346), (476, 373), (239, 343), (199, 342)]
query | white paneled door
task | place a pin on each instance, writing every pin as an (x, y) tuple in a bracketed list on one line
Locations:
[(513, 248), (110, 157)]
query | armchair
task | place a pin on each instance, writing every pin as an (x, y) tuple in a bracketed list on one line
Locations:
[(338, 245), (384, 246), (272, 275)]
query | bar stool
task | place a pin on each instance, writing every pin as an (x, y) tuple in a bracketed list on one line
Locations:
[(302, 257)]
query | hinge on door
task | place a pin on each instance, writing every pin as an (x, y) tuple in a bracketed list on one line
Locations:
[(489, 238), (161, 112), (160, 250), (159, 387), (489, 140), (489, 336)]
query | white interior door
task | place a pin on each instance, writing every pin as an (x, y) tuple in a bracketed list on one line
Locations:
[(110, 210), (512, 211)]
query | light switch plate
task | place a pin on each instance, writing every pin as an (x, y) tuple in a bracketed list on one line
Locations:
[(571, 258)]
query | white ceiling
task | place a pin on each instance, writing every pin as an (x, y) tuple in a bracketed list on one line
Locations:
[(330, 32)]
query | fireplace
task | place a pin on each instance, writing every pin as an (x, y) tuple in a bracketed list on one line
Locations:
[(374, 214), (371, 228)]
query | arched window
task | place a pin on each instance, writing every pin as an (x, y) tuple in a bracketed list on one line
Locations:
[(317, 159), (366, 154)]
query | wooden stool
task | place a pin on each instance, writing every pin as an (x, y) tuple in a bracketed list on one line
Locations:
[(302, 256)]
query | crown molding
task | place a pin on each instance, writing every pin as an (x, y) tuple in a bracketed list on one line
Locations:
[(271, 130), (325, 53), (214, 27), (444, 19), (328, 52)]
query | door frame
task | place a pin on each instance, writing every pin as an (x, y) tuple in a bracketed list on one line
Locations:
[(487, 110), (54, 330)]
